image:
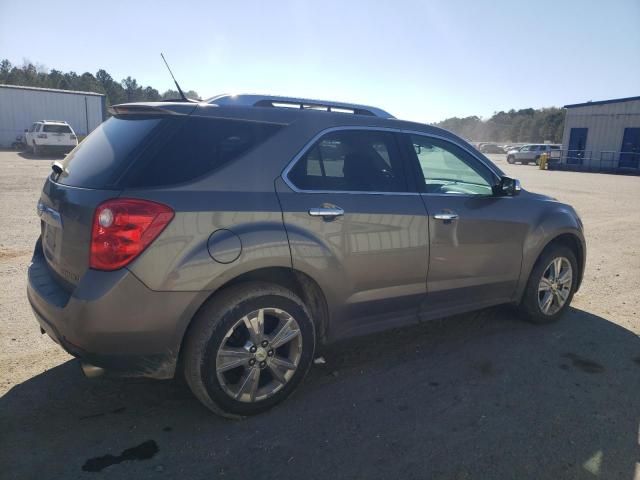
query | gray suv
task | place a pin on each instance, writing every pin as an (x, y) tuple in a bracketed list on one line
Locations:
[(530, 153), (226, 240)]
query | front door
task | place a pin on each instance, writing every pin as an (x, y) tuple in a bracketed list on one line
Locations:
[(476, 237), (355, 228), (630, 151), (577, 145)]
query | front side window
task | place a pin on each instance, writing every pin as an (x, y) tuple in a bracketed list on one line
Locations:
[(351, 160), (447, 169)]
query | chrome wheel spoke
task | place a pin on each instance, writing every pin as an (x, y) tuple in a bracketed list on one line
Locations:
[(545, 285), (546, 302), (279, 368), (249, 384), (557, 266), (563, 294), (285, 334), (229, 358), (565, 277), (255, 325)]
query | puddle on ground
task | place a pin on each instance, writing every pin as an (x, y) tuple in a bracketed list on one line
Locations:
[(144, 451)]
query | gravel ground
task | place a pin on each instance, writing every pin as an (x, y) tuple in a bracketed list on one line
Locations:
[(475, 396)]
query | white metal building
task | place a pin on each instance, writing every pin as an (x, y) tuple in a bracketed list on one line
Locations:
[(21, 106), (602, 136)]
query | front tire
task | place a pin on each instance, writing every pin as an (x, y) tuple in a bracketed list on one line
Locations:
[(248, 349), (510, 159), (35, 150), (551, 285)]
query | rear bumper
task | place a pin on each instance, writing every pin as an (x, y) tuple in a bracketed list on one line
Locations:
[(111, 319), (56, 148)]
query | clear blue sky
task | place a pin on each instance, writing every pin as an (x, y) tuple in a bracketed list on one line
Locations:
[(424, 61)]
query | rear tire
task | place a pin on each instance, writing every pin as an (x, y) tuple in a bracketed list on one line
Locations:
[(553, 292), (224, 360)]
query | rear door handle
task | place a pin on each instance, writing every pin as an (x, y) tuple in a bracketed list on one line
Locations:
[(446, 216), (326, 212)]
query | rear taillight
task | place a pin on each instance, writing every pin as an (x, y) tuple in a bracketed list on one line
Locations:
[(123, 228)]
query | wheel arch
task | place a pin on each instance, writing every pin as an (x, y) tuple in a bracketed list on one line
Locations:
[(569, 238), (294, 280), (573, 242)]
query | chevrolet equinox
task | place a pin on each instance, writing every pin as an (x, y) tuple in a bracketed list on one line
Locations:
[(225, 240)]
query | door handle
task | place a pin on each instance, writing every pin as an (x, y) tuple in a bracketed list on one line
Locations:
[(326, 212), (446, 216)]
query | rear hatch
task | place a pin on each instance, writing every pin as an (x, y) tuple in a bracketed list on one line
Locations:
[(92, 173), (58, 134), (141, 147)]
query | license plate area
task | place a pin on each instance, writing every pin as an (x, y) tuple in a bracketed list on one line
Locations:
[(51, 232)]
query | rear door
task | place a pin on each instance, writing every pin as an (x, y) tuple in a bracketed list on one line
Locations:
[(476, 238), (355, 228)]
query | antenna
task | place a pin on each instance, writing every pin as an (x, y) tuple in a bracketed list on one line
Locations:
[(182, 95)]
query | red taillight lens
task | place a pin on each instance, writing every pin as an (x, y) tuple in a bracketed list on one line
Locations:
[(123, 228)]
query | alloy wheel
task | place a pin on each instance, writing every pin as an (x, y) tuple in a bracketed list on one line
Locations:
[(555, 286), (259, 355)]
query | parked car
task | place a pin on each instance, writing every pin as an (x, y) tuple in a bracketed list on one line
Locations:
[(226, 240), (508, 148), (530, 153), (50, 135), (491, 148)]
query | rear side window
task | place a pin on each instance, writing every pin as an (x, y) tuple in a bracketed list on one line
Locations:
[(353, 161), (56, 129), (99, 160), (199, 146), (128, 152)]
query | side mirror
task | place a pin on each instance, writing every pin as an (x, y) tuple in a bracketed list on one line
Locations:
[(26, 130), (508, 187)]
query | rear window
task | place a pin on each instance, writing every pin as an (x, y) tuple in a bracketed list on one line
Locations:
[(127, 152), (56, 129)]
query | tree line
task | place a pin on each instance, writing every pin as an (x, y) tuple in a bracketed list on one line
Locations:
[(525, 125), (126, 90)]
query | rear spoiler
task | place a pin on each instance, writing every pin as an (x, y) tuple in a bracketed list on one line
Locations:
[(153, 108)]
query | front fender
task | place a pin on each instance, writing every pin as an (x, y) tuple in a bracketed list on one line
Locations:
[(557, 220)]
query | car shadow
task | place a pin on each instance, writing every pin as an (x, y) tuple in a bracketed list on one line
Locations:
[(474, 396), (45, 156)]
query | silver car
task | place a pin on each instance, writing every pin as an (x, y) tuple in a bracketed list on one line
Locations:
[(226, 240), (530, 153)]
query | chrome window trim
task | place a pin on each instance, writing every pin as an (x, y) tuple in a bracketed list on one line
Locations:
[(311, 143)]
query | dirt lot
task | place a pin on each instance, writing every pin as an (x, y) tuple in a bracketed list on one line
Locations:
[(475, 396)]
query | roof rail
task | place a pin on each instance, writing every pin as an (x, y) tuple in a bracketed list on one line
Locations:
[(299, 103)]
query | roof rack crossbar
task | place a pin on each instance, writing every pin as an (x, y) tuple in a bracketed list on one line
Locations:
[(300, 103)]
